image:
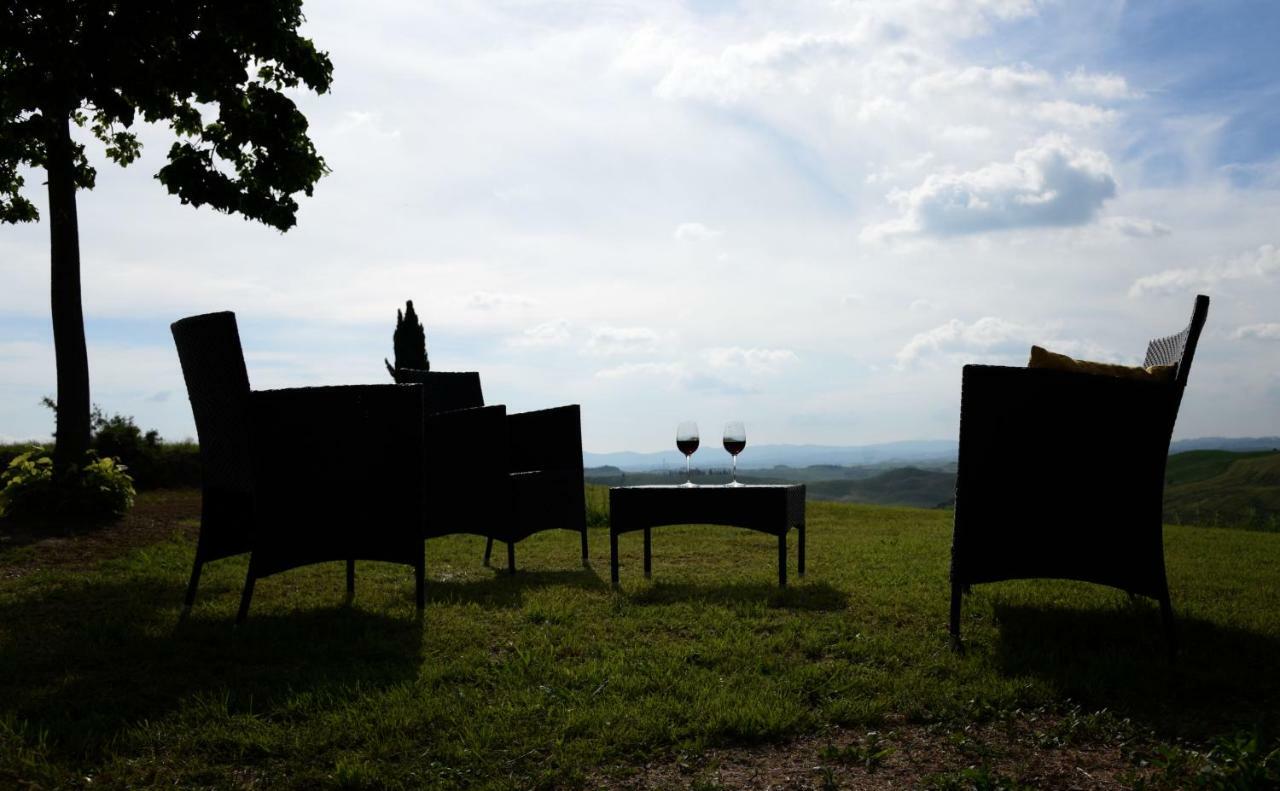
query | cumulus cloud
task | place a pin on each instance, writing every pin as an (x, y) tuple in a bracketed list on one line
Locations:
[(611, 341), (755, 361), (696, 232), (988, 335), (1257, 264), (1051, 183), (1263, 332)]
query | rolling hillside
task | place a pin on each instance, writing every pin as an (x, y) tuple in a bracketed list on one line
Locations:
[(1222, 489)]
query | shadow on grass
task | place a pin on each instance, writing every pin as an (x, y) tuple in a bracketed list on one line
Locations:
[(1223, 679), (84, 660), (818, 596), (506, 591)]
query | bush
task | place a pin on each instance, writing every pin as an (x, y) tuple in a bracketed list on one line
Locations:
[(31, 489), (152, 462)]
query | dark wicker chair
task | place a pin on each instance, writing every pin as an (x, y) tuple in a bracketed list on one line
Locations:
[(478, 451), (300, 476), (1061, 475)]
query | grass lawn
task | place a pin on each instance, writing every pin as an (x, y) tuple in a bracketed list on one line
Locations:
[(707, 676)]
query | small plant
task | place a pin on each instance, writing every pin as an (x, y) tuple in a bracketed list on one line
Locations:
[(410, 342), (32, 489), (974, 778), (870, 753)]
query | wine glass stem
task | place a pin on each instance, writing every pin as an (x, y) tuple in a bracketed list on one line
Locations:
[(687, 477), (734, 478)]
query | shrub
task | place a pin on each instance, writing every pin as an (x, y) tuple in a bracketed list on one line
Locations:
[(32, 489)]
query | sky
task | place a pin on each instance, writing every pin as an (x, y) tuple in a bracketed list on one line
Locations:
[(807, 216)]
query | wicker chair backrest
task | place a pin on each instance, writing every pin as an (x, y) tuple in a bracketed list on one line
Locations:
[(218, 386), (445, 390), (1179, 349)]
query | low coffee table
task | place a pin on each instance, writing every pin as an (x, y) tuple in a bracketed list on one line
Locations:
[(766, 509)]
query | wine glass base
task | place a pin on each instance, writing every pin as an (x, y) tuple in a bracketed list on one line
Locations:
[(688, 485), (734, 485)]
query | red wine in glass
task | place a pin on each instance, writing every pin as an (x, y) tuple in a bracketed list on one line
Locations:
[(735, 441), (687, 443)]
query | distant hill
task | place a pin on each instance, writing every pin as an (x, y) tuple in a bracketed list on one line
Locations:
[(1234, 444), (767, 456), (1222, 489), (884, 455)]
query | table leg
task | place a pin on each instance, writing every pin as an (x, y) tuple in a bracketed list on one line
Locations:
[(613, 556), (648, 554), (800, 550), (782, 560)]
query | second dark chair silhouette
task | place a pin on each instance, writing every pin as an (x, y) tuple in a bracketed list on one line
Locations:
[(499, 475), (1061, 474)]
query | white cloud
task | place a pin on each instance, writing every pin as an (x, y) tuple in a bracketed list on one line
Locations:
[(1052, 183), (488, 300), (696, 232), (1001, 79), (1259, 264), (769, 64), (1073, 114), (966, 133), (612, 341), (1268, 331), (1101, 86), (755, 361), (549, 333), (1136, 227), (669, 371), (985, 336)]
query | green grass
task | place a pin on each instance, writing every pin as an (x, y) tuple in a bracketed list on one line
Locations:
[(550, 678)]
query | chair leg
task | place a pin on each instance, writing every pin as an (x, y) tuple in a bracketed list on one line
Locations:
[(1166, 615), (191, 586), (351, 579), (488, 550), (247, 595), (957, 591), (511, 557), (585, 561)]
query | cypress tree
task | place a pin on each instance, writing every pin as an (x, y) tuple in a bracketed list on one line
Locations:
[(409, 341)]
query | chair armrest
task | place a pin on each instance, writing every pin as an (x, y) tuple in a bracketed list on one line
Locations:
[(546, 439)]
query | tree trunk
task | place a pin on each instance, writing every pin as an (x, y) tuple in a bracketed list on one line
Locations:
[(72, 359)]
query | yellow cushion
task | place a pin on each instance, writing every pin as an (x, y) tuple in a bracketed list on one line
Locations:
[(1043, 358)]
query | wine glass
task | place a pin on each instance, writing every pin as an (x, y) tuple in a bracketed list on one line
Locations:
[(735, 439), (687, 443)]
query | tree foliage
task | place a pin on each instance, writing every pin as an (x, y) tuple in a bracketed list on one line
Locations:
[(218, 72), (409, 342)]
